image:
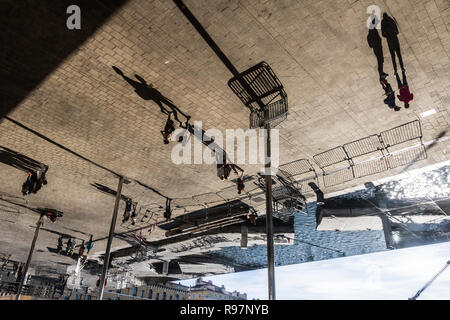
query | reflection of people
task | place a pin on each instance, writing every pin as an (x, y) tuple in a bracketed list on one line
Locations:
[(89, 245), (240, 183), (134, 215), (168, 211), (60, 244), (168, 129), (390, 95), (389, 30), (404, 96), (147, 92), (374, 41), (126, 213)]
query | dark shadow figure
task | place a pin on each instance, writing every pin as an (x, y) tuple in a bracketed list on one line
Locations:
[(110, 191), (73, 152), (147, 92), (390, 95), (374, 41), (19, 161), (389, 30), (403, 88)]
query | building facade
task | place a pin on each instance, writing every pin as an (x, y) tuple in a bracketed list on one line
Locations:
[(206, 290)]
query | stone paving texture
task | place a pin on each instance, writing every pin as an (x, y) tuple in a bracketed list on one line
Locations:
[(318, 49)]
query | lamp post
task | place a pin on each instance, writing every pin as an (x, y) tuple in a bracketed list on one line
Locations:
[(27, 265), (110, 238), (268, 177)]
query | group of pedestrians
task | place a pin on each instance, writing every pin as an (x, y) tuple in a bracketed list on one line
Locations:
[(34, 182), (130, 212), (389, 31), (71, 244), (224, 168)]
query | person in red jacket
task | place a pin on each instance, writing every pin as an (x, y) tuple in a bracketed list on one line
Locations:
[(403, 88)]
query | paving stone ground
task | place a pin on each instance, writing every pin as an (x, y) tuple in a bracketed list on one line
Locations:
[(318, 49)]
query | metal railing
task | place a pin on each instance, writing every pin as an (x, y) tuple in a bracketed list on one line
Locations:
[(377, 146)]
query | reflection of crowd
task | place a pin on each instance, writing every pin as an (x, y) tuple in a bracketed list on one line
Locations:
[(34, 182), (389, 31), (70, 247)]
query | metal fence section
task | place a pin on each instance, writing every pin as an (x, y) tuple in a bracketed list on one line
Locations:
[(302, 172), (403, 133), (298, 167), (262, 80), (371, 155), (330, 157), (408, 156), (268, 89), (363, 146), (368, 168), (337, 177), (277, 110)]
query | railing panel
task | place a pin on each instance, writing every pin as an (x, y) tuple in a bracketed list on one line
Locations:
[(403, 133)]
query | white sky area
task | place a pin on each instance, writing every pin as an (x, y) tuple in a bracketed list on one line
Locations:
[(389, 275)]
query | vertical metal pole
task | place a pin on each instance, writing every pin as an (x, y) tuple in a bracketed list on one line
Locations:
[(269, 219), (110, 238), (387, 229), (27, 265)]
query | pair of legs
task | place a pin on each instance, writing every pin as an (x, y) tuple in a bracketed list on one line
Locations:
[(399, 82), (380, 61), (394, 48)]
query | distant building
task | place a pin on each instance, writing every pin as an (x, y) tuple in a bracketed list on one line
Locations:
[(168, 291), (202, 290), (206, 290)]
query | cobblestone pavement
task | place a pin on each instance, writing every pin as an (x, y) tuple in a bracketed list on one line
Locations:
[(318, 49)]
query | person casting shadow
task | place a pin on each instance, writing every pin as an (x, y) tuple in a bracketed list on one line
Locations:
[(389, 30), (404, 96), (148, 92), (390, 95), (374, 41), (169, 128)]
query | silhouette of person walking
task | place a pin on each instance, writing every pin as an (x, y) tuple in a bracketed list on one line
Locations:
[(390, 95), (168, 129), (404, 96), (168, 210), (389, 30), (147, 92), (126, 213), (374, 41)]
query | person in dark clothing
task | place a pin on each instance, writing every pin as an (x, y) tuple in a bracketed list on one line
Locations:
[(89, 245), (126, 214), (52, 216), (374, 41), (42, 180), (390, 95), (72, 246), (240, 184), (81, 250), (69, 246), (226, 170), (29, 185), (389, 30), (168, 211), (403, 88), (133, 215), (60, 244), (168, 129)]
